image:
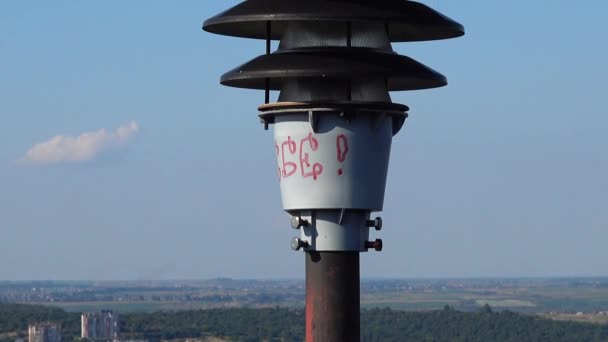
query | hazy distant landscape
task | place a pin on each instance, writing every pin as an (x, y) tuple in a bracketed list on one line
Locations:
[(565, 298), (525, 309)]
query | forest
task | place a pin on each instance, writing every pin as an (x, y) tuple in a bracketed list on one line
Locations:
[(279, 324)]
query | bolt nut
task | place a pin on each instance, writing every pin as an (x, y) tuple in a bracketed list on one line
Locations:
[(376, 245), (297, 244), (377, 223), (298, 222)]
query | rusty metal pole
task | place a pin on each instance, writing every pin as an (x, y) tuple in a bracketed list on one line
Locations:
[(332, 296)]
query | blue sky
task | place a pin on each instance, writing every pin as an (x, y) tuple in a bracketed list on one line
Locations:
[(502, 173)]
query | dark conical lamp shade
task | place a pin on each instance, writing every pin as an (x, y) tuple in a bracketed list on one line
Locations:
[(406, 20), (400, 72)]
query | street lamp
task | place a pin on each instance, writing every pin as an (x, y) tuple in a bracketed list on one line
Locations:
[(333, 126)]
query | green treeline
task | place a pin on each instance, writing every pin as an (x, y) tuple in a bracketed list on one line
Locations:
[(288, 325), (485, 325), (17, 317)]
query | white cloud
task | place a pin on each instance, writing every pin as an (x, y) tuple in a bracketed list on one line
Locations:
[(86, 146)]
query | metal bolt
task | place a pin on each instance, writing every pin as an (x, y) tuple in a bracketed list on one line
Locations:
[(377, 223), (298, 222), (377, 245), (297, 244)]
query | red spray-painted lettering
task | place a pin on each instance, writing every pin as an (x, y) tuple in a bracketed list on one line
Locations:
[(342, 150), (305, 164), (287, 155), (289, 168)]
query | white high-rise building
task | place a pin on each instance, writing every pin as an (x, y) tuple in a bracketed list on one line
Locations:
[(100, 326), (44, 332)]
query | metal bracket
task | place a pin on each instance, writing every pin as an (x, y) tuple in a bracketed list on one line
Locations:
[(265, 123), (398, 122), (377, 119), (338, 230), (347, 115), (341, 219), (313, 119)]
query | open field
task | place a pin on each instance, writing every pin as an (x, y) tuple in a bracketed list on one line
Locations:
[(578, 317)]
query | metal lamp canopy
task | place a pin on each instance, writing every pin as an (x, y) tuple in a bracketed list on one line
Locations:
[(400, 72), (406, 21)]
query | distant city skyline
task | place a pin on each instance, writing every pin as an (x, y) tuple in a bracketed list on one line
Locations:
[(122, 158)]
